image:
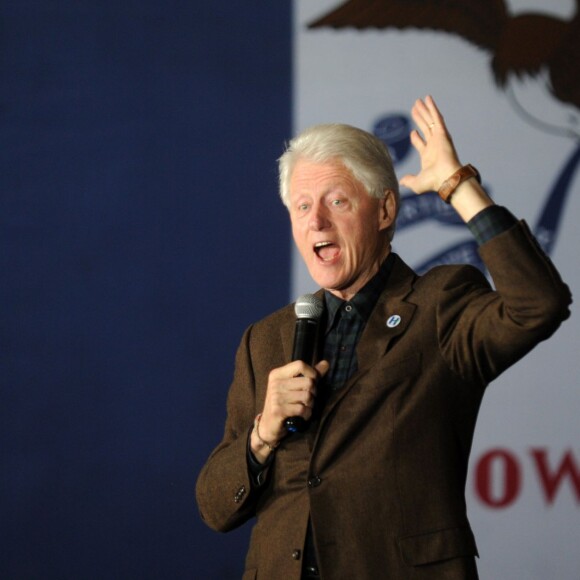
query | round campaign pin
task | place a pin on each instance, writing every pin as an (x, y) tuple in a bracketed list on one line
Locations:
[(393, 321)]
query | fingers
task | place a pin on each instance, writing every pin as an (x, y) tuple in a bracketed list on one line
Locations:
[(434, 111), (291, 392), (427, 116), (417, 141), (422, 117), (408, 181), (413, 182), (322, 368), (298, 391), (295, 369)]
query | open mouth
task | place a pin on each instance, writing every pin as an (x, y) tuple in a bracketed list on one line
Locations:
[(326, 251)]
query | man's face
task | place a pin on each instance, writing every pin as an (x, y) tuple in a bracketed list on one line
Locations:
[(338, 228)]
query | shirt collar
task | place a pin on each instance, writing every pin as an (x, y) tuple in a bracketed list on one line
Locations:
[(365, 299)]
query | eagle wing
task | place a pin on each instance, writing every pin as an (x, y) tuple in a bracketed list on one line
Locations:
[(478, 21)]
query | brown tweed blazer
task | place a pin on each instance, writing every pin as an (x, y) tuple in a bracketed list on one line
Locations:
[(382, 472)]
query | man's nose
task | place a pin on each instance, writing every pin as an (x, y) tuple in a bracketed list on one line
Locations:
[(319, 219)]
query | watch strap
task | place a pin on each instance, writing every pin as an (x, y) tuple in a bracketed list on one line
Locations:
[(449, 186)]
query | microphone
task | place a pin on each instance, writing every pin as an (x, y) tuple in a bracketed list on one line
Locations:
[(308, 309)]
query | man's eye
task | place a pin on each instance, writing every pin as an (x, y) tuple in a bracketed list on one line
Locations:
[(303, 207), (337, 202)]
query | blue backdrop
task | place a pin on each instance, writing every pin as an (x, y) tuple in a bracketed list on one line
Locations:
[(140, 233)]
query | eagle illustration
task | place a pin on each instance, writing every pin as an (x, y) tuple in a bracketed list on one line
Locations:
[(525, 44)]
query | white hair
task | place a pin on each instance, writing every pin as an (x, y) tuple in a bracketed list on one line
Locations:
[(363, 154)]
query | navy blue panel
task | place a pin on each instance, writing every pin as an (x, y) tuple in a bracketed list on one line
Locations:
[(140, 232)]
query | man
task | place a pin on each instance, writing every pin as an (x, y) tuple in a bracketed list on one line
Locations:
[(374, 488)]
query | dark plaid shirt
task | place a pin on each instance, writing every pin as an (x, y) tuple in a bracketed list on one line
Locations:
[(345, 322), (490, 222)]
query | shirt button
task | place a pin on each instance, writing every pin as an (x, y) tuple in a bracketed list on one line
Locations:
[(314, 481), (348, 307), (296, 554)]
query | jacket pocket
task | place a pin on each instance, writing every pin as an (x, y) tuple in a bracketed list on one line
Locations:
[(437, 546)]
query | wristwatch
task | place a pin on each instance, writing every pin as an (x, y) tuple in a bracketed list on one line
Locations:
[(449, 186)]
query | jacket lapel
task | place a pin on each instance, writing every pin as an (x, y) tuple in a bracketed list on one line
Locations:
[(390, 318)]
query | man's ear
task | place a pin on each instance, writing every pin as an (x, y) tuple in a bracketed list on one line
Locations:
[(387, 209)]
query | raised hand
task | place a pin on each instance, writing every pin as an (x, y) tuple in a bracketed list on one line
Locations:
[(439, 161), (435, 147)]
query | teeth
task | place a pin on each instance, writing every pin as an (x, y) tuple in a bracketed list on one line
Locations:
[(322, 244)]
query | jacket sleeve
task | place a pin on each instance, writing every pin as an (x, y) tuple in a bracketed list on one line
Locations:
[(225, 494), (482, 332)]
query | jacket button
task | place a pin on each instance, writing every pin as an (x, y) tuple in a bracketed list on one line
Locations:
[(314, 481), (296, 554)]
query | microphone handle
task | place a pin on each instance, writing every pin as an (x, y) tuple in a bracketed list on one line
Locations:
[(295, 424), (304, 349)]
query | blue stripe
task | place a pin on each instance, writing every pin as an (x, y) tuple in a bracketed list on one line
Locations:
[(141, 232)]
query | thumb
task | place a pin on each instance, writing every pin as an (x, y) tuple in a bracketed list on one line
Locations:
[(407, 181), (322, 368)]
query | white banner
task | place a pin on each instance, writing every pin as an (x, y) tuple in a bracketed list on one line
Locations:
[(524, 482)]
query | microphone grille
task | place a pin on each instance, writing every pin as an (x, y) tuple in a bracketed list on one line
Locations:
[(309, 306)]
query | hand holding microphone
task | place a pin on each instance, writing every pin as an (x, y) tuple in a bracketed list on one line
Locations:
[(291, 389)]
